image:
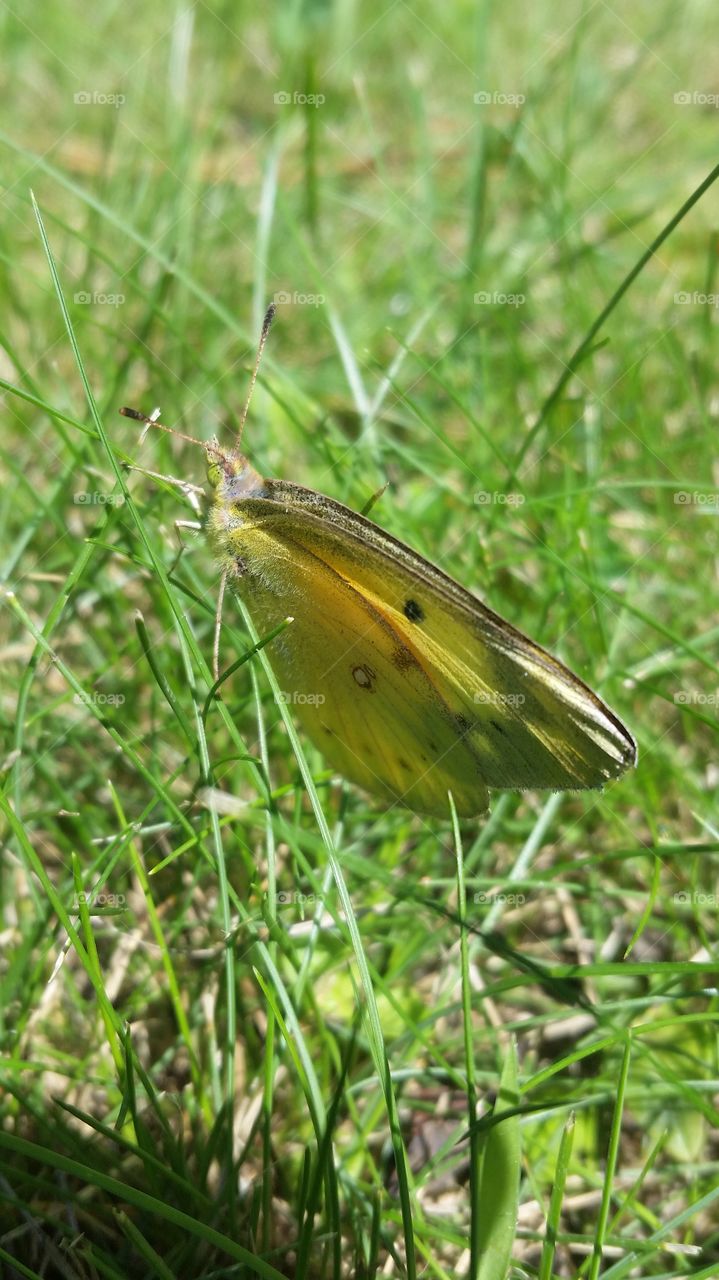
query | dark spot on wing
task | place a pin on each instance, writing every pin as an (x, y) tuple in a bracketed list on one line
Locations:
[(365, 677), (496, 725), (413, 611), (403, 764)]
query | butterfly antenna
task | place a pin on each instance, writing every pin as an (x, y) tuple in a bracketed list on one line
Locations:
[(150, 420), (266, 323)]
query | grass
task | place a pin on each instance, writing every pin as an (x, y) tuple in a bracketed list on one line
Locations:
[(252, 1023)]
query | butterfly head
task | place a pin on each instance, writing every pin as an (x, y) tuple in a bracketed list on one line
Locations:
[(221, 465), (229, 474)]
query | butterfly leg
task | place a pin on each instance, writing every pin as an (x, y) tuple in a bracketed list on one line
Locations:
[(182, 524), (218, 625)]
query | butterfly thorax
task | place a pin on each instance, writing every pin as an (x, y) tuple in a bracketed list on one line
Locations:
[(235, 483)]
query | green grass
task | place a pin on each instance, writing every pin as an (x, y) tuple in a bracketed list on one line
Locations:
[(244, 1031)]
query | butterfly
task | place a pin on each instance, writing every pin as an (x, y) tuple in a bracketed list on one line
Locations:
[(409, 685)]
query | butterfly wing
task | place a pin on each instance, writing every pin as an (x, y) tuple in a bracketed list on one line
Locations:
[(426, 689)]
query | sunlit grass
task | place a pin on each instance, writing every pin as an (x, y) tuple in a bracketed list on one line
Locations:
[(242, 1025)]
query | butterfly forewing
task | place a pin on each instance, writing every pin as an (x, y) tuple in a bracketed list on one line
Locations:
[(354, 686)]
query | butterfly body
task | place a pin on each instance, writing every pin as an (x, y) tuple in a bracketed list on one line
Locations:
[(408, 684)]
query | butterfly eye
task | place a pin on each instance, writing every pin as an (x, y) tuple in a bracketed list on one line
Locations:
[(413, 611), (214, 474)]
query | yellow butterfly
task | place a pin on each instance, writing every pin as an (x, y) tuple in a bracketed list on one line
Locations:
[(408, 685)]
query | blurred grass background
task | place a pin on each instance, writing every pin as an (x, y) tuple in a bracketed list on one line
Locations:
[(218, 1057)]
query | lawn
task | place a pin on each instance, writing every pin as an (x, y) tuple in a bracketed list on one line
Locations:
[(255, 1021)]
